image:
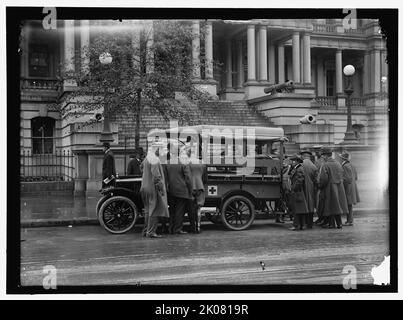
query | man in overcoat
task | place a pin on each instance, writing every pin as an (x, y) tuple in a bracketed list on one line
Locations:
[(350, 185), (311, 173), (153, 192), (331, 184), (320, 197), (297, 196), (198, 172), (180, 189), (108, 166)]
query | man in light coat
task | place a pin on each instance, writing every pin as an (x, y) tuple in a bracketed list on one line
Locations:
[(350, 185), (331, 184), (311, 173), (153, 192)]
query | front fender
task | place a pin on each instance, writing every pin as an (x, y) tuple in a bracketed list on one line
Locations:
[(119, 191)]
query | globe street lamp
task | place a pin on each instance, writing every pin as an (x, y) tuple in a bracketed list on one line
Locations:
[(106, 135), (349, 136)]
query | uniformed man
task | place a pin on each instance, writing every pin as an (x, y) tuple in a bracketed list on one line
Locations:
[(331, 184), (297, 196), (108, 166), (311, 173), (350, 185)]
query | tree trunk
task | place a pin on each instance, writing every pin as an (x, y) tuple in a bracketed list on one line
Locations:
[(138, 119)]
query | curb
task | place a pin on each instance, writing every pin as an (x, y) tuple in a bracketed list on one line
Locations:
[(58, 222), (94, 221)]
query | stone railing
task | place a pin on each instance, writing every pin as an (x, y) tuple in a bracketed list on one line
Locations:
[(358, 102), (333, 28), (326, 101), (324, 28), (40, 84), (356, 31)]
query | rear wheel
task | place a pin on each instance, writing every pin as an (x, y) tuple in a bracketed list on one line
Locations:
[(118, 214), (238, 213)]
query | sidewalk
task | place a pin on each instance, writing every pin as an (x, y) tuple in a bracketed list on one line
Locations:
[(65, 210)]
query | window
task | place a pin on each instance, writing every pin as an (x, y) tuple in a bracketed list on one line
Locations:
[(39, 61), (330, 83), (42, 135)]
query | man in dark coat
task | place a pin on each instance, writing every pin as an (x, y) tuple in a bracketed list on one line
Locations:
[(133, 167), (198, 172), (350, 185), (108, 166), (297, 196), (311, 173), (331, 184), (179, 185), (320, 197)]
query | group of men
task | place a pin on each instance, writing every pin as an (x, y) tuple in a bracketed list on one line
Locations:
[(172, 189), (327, 187)]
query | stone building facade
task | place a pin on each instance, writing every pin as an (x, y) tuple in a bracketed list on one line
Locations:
[(241, 59)]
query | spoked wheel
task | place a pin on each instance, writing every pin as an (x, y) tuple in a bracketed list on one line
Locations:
[(99, 204), (118, 214), (238, 213)]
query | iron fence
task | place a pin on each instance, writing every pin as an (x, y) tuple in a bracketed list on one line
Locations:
[(58, 166)]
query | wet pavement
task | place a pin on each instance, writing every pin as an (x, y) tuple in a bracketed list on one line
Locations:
[(42, 210), (89, 255)]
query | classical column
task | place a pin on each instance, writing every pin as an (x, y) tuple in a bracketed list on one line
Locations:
[(263, 53), (339, 72), (367, 73), (320, 77), (25, 50), (272, 64), (296, 57), (228, 63), (149, 44), (240, 64), (251, 53), (301, 58), (69, 63), (196, 49), (209, 50), (377, 71), (307, 58), (281, 63), (84, 43)]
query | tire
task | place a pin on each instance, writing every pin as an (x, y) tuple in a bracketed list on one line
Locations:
[(238, 209), (99, 204), (119, 209)]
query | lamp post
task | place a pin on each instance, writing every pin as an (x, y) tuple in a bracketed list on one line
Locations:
[(106, 135), (349, 136)]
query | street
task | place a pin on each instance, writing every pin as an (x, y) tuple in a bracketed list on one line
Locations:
[(88, 255)]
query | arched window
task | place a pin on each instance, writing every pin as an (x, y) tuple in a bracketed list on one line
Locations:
[(42, 135)]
